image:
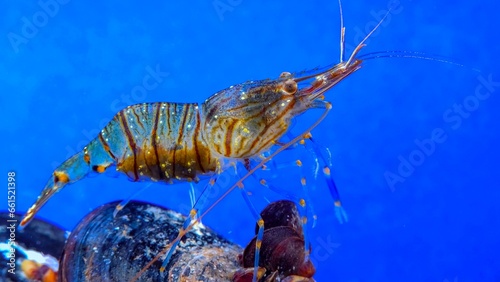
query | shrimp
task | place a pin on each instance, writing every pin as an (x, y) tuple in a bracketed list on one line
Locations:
[(172, 142), (184, 142)]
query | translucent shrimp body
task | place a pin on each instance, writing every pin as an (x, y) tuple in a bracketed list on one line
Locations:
[(182, 142)]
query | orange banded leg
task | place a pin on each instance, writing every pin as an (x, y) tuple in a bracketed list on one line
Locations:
[(306, 209), (332, 187), (260, 232), (258, 218), (123, 203), (303, 201), (198, 205)]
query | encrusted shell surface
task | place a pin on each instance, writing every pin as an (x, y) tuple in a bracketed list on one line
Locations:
[(107, 248)]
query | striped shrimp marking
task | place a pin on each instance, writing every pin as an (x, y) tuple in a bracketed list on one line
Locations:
[(185, 141), (179, 142)]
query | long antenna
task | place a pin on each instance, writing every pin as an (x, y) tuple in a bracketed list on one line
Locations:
[(362, 43), (342, 33)]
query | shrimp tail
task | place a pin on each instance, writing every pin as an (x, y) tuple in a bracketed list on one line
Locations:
[(93, 158), (70, 171)]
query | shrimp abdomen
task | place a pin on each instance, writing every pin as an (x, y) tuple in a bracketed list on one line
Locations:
[(150, 141), (159, 141)]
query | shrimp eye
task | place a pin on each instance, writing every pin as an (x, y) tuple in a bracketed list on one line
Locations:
[(285, 74), (290, 86)]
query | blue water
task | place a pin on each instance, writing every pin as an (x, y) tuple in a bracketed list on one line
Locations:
[(435, 218)]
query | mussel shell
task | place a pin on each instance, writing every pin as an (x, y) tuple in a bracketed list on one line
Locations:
[(282, 250), (282, 253), (107, 248), (281, 213), (40, 236)]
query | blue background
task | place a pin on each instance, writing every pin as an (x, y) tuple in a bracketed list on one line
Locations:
[(440, 224)]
